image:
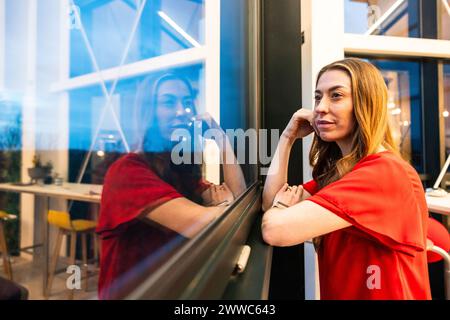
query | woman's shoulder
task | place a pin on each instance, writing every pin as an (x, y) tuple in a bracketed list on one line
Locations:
[(129, 159), (126, 165), (383, 158), (387, 165)]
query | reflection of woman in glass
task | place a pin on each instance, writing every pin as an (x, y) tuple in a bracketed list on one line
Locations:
[(365, 207), (149, 205)]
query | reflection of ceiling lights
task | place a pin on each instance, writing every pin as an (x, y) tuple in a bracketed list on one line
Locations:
[(384, 17), (445, 114), (178, 29), (391, 105), (101, 153), (446, 6), (396, 111)]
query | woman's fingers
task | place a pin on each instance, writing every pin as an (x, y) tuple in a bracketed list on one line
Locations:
[(309, 116), (221, 193), (225, 187), (304, 119), (290, 195), (298, 193), (313, 125), (208, 119), (283, 189)]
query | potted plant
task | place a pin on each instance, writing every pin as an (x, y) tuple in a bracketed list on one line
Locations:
[(39, 171)]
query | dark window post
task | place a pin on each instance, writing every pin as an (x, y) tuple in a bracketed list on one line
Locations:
[(281, 98)]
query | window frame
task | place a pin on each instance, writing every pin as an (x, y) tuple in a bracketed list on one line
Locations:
[(203, 267)]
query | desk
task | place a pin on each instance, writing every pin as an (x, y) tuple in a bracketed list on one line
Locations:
[(69, 191), (439, 204)]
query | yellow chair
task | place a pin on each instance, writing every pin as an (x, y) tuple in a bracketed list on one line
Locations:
[(67, 226), (4, 217)]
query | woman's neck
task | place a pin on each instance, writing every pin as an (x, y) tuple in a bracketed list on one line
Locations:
[(346, 148), (380, 148)]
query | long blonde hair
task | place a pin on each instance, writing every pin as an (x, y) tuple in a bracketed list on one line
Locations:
[(370, 96)]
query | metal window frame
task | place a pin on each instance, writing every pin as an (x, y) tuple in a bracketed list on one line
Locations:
[(203, 267), (282, 96)]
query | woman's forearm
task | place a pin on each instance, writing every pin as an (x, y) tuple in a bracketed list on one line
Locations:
[(232, 171), (278, 171)]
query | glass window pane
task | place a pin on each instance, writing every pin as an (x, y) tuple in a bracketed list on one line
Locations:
[(147, 153), (444, 19), (403, 79), (105, 34), (446, 104), (382, 17)]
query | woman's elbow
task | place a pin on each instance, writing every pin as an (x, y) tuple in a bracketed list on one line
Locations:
[(267, 235), (271, 233), (275, 233)]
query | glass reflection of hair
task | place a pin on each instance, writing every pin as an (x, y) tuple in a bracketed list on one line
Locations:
[(163, 105), (158, 114)]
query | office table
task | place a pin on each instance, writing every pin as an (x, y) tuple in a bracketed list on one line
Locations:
[(68, 191), (439, 205)]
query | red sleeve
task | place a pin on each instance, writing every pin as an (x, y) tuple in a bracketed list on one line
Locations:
[(383, 198), (310, 186), (130, 188)]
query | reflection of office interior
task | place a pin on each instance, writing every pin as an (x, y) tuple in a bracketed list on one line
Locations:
[(384, 17), (446, 106), (397, 18), (107, 142), (105, 153), (444, 16), (399, 110)]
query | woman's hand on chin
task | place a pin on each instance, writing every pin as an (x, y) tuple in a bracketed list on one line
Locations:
[(300, 125)]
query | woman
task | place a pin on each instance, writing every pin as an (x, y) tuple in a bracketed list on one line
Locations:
[(150, 206), (365, 207)]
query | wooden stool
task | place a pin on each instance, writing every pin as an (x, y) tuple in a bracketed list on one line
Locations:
[(66, 226), (4, 217)]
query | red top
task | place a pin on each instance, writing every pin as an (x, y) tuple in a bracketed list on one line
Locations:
[(382, 255), (132, 245)]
